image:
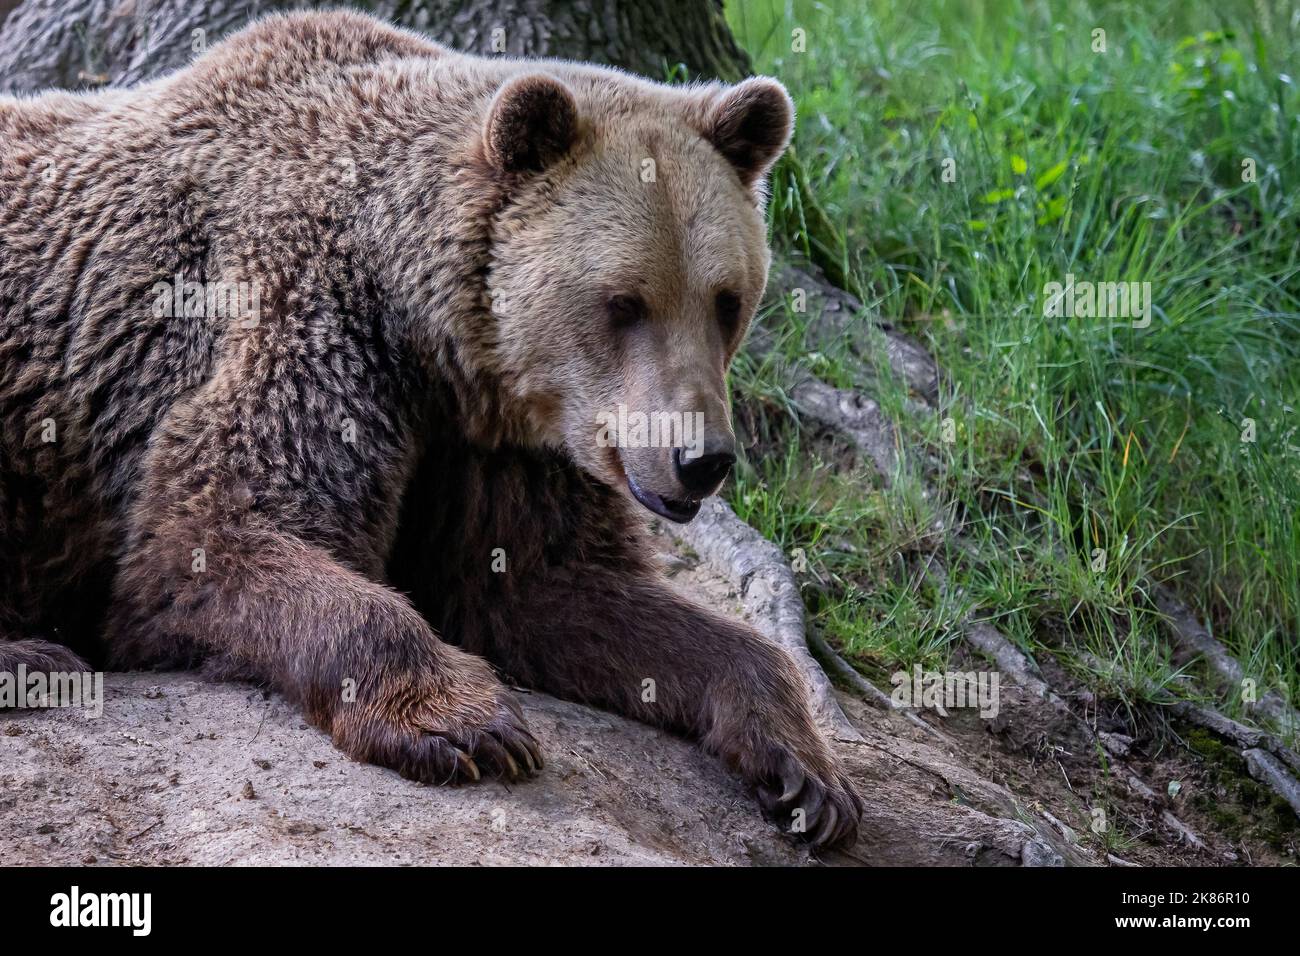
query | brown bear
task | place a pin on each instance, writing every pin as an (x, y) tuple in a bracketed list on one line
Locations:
[(308, 353)]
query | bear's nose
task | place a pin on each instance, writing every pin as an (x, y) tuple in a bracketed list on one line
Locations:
[(701, 475)]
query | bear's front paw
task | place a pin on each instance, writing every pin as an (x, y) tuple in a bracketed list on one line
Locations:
[(433, 738), (812, 799)]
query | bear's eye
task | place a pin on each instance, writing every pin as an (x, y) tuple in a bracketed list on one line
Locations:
[(727, 305), (625, 310)]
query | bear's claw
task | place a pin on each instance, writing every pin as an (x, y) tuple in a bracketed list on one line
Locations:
[(831, 808), (459, 751), (503, 748)]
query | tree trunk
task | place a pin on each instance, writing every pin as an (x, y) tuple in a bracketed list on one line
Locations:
[(86, 43)]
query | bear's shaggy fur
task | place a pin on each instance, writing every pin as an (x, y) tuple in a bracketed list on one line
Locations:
[(380, 471)]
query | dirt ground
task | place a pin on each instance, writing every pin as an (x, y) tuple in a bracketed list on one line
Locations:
[(1032, 751), (182, 772)]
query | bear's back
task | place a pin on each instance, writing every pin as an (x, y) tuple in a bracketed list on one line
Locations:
[(104, 194)]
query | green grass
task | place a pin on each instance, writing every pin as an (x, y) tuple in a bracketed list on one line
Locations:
[(1092, 460)]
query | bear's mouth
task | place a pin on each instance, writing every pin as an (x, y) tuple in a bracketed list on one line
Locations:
[(680, 511)]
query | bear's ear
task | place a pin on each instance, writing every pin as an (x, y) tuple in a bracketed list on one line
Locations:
[(533, 120), (750, 124)]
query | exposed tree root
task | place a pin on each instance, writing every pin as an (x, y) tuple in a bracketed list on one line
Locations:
[(769, 593), (858, 419), (837, 316), (846, 673), (1016, 664), (1249, 740), (855, 416), (1194, 640), (1235, 732), (1267, 769)]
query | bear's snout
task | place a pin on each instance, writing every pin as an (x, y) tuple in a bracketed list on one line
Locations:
[(696, 479)]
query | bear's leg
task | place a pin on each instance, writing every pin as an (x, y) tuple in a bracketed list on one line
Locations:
[(362, 662), (621, 639)]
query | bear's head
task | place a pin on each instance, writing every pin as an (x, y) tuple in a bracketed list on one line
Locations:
[(626, 266)]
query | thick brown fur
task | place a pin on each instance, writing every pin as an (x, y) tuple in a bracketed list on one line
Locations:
[(389, 476)]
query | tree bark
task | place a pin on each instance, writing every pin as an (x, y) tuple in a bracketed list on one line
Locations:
[(86, 43)]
